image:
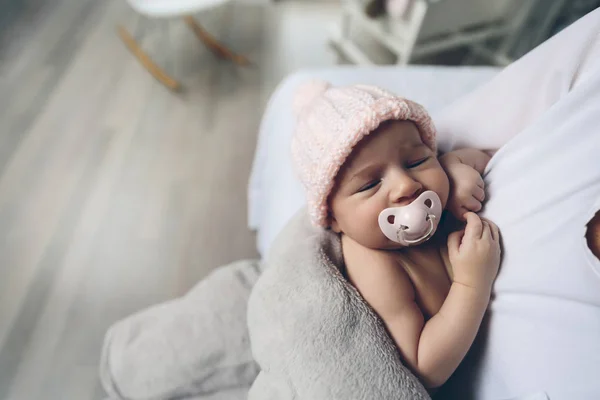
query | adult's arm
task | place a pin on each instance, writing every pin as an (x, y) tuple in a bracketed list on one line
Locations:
[(522, 92)]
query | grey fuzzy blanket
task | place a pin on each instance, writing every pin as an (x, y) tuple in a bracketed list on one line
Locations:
[(193, 347), (312, 334)]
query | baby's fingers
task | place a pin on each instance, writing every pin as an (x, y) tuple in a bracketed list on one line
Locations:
[(472, 204), (462, 214), (479, 193), (480, 181), (474, 226), (454, 240), (494, 230), (487, 230)]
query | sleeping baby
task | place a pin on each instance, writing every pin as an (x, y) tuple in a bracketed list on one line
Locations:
[(369, 164)]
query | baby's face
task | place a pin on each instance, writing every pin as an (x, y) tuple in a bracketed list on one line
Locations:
[(391, 167)]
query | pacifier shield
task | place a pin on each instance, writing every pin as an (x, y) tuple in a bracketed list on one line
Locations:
[(414, 223)]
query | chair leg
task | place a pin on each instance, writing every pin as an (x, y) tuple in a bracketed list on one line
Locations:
[(146, 61), (213, 45)]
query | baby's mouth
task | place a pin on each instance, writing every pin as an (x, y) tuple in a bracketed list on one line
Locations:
[(414, 223), (403, 236)]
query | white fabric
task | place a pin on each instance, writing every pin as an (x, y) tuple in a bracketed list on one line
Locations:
[(542, 334), (274, 193)]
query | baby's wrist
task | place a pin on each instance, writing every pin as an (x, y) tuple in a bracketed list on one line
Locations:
[(448, 159), (480, 288)]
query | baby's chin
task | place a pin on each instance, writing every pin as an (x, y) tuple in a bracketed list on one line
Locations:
[(392, 246), (389, 245), (382, 243)]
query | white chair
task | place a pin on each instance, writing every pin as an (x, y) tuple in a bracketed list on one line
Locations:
[(430, 26), (176, 9)]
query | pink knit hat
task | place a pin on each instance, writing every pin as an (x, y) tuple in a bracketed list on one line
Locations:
[(331, 121)]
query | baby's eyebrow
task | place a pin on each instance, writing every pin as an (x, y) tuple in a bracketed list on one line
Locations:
[(364, 171), (415, 146)]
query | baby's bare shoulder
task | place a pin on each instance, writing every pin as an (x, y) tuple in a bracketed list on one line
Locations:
[(361, 258), (378, 276)]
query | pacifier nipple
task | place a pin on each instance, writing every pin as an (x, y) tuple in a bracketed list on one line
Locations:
[(414, 223)]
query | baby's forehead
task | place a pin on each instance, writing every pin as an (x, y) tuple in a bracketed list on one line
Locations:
[(398, 131), (393, 138), (382, 146)]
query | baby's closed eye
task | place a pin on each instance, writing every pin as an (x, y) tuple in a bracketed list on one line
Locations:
[(415, 164), (370, 185)]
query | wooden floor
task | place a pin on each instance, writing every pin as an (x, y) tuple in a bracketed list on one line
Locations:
[(114, 192)]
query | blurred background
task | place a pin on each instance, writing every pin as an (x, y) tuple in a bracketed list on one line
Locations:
[(127, 133)]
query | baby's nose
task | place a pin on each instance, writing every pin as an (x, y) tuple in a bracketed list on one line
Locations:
[(405, 191)]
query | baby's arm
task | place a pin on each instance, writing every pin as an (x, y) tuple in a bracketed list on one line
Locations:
[(467, 190), (432, 349)]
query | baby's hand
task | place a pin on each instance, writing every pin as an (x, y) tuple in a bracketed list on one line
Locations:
[(475, 253), (466, 190)]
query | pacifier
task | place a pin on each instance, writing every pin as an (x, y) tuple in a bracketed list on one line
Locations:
[(414, 223)]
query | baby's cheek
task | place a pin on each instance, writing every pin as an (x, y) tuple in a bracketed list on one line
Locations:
[(445, 189), (363, 217), (370, 221), (359, 223), (440, 184)]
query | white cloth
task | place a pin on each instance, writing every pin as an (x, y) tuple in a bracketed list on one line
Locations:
[(542, 334)]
